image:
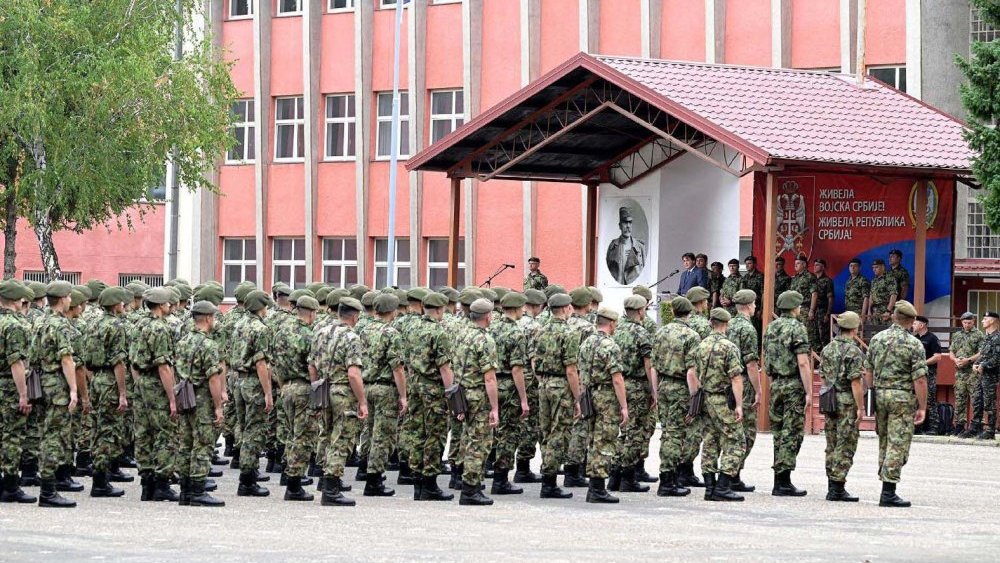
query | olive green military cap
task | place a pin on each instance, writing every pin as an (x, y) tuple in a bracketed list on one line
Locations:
[(681, 306), (204, 308), (84, 290), (157, 295), (608, 313), (77, 297), (488, 293), (559, 300), (211, 293), (906, 308), (349, 302), (696, 294), (386, 303), (58, 288), (12, 290), (435, 300), (307, 303), (401, 296), (416, 294), (322, 292), (635, 302), (256, 300), (580, 297), (242, 290), (595, 294), (182, 281), (481, 306), (136, 289), (450, 292), (185, 292), (468, 295), (315, 287), (534, 296), (513, 300), (368, 299), (96, 286), (789, 300), (336, 296), (745, 297), (500, 292), (720, 315), (281, 289), (848, 320), (175, 294), (300, 293), (644, 291), (359, 290), (112, 296), (553, 289), (38, 288)]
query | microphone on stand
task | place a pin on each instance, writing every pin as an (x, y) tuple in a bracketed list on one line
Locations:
[(509, 265)]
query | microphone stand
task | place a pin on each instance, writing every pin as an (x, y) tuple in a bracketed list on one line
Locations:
[(503, 267)]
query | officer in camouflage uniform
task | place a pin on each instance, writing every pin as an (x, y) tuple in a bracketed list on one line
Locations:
[(635, 347), (512, 358), (899, 273), (715, 281), (720, 370), (575, 465), (824, 302), (600, 366), (842, 367), (475, 364), (697, 321), (252, 343), (899, 371), (805, 283), (741, 333), (14, 339), (857, 290), (884, 292), (782, 281), (385, 386), (964, 351), (730, 286), (753, 280), (988, 369), (557, 350), (199, 363), (530, 433), (789, 368), (673, 361), (535, 278)]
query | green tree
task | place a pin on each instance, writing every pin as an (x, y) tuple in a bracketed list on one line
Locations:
[(92, 102), (981, 97)]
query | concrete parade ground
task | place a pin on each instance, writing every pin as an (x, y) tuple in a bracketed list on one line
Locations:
[(953, 487)]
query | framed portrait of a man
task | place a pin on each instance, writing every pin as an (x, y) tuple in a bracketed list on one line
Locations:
[(627, 254)]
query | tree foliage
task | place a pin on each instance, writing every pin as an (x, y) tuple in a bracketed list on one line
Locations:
[(92, 102)]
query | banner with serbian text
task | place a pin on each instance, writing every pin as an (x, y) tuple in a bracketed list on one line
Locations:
[(839, 217)]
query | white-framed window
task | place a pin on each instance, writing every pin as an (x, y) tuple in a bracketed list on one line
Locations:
[(894, 75), (288, 259), (289, 7), (243, 130), (340, 261), (41, 276), (340, 5), (980, 240), (391, 3), (289, 129), (383, 133), (437, 262), (980, 30), (341, 121), (447, 112), (401, 266), (240, 9), (152, 280), (239, 262)]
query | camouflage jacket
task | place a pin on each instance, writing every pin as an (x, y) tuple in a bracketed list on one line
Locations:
[(427, 346), (334, 350), (251, 343), (755, 281), (805, 284), (715, 283), (536, 280), (718, 362), (742, 333), (225, 331), (784, 339), (895, 359), (729, 289), (635, 345), (475, 355), (106, 343), (782, 283), (857, 289), (581, 326), (292, 345), (153, 346), (364, 322), (965, 344), (599, 359), (383, 352), (824, 293), (697, 322), (532, 328), (649, 324), (556, 347), (511, 343), (673, 349), (14, 339), (882, 290), (197, 358), (989, 351), (842, 363), (902, 277)]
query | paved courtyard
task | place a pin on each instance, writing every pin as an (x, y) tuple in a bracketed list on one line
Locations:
[(954, 489)]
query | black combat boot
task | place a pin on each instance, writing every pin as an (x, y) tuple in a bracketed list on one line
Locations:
[(958, 429), (989, 429), (362, 474), (185, 497), (294, 491), (393, 463), (198, 496), (249, 487), (572, 477), (146, 482), (210, 485), (490, 459), (29, 473), (102, 487), (375, 486), (418, 486), (162, 490), (261, 477), (472, 495), (314, 469), (64, 481), (12, 491), (213, 472), (783, 486), (431, 491), (524, 474), (279, 460), (686, 476), (219, 460), (709, 485), (230, 448), (116, 475), (890, 498), (738, 486), (455, 483), (84, 464), (641, 475), (629, 484), (406, 476), (445, 467), (320, 483), (598, 493), (49, 497), (127, 459), (835, 492), (669, 487), (271, 456), (615, 478), (722, 491), (551, 490), (353, 460), (973, 430), (234, 461), (501, 484), (332, 495)]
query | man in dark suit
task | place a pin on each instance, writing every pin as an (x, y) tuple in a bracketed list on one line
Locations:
[(691, 276)]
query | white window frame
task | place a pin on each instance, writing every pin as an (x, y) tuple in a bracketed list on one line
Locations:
[(980, 241), (431, 266), (391, 4), (279, 13), (401, 242), (248, 129), (350, 125), (297, 123), (455, 119), (404, 119), (293, 264), (248, 16), (897, 68), (242, 262), (349, 7), (152, 280), (42, 277), (342, 263)]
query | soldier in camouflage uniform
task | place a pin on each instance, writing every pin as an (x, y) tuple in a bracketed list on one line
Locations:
[(279, 313), (697, 321), (647, 322), (715, 281), (576, 455), (557, 350), (530, 434), (899, 273), (730, 286), (14, 339), (963, 348), (535, 278), (198, 362), (512, 358), (600, 366), (789, 369), (365, 323), (720, 370), (824, 302), (224, 334), (782, 281), (673, 361), (884, 292), (857, 290), (635, 346), (408, 318), (252, 343), (753, 280), (741, 333), (83, 419), (988, 370), (897, 365), (457, 327), (842, 368), (805, 283)]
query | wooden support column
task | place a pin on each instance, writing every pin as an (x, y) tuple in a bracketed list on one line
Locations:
[(920, 240), (770, 246), (455, 209), (590, 237)]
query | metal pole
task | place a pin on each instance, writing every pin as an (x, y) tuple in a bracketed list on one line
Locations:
[(862, 25), (390, 275), (175, 190)]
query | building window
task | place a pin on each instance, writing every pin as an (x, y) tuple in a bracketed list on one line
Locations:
[(289, 7), (979, 30), (341, 5), (437, 262), (894, 76), (401, 264), (289, 129), (240, 9), (383, 133), (158, 192), (447, 112), (239, 262), (392, 3), (340, 124), (41, 276), (289, 262), (340, 261), (152, 280), (243, 129), (979, 239)]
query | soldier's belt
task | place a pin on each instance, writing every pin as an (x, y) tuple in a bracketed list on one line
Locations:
[(682, 376), (504, 374), (784, 376), (637, 376), (551, 374)]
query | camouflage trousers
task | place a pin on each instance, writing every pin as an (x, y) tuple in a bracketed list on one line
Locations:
[(602, 429), (31, 446), (383, 414), (83, 423), (841, 431), (155, 432), (230, 418), (456, 429), (966, 382), (932, 422), (253, 422), (673, 406), (556, 408), (128, 420), (342, 434), (107, 439), (894, 412), (729, 445), (365, 437), (56, 447), (712, 447), (986, 395), (787, 414), (819, 329), (810, 327), (579, 439), (407, 425), (693, 436), (477, 437), (280, 424), (429, 413), (508, 431), (197, 432), (530, 434), (641, 424), (301, 422), (13, 428)]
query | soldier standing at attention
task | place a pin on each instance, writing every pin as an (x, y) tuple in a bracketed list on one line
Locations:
[(576, 456), (899, 273), (842, 368), (730, 286), (896, 362), (805, 283), (932, 349), (385, 387), (988, 368), (253, 344), (720, 373), (782, 281), (787, 364), (741, 332), (824, 301), (857, 291), (697, 321), (225, 335), (715, 281), (964, 351), (199, 363), (530, 432), (647, 322), (404, 322), (512, 357), (884, 292), (14, 339), (600, 366), (535, 278), (753, 280), (635, 347)]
